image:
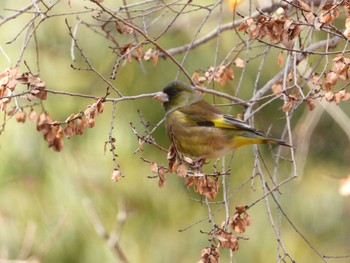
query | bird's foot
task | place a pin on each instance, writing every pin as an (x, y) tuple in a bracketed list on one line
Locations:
[(198, 163)]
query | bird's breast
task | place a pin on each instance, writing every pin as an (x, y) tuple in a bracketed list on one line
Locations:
[(198, 141)]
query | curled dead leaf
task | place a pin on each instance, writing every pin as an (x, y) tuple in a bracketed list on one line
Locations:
[(181, 170), (310, 104), (69, 130), (240, 220), (11, 111), (227, 240), (32, 115), (116, 175), (210, 255), (329, 96), (80, 126), (204, 185), (148, 54), (20, 116), (344, 186), (287, 106), (280, 59), (161, 177), (304, 6), (239, 63), (154, 167)]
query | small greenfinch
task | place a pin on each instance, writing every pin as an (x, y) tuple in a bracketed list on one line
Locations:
[(200, 130)]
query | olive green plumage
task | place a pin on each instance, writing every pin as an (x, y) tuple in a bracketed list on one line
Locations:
[(200, 130)]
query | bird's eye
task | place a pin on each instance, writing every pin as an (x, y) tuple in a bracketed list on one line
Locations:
[(172, 92)]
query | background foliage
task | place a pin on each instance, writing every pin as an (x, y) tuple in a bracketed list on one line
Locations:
[(48, 199)]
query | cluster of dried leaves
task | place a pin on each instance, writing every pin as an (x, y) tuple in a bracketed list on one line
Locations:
[(160, 171), (328, 13), (53, 131), (340, 72), (210, 255), (226, 239), (221, 74), (203, 184), (277, 30), (206, 185), (130, 52), (282, 29), (11, 77), (323, 86)]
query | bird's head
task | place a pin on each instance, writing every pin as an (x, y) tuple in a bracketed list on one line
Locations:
[(177, 94)]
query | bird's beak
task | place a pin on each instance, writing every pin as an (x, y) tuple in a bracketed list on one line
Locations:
[(161, 96)]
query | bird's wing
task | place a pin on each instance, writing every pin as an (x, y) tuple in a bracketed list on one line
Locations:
[(229, 122), (203, 113)]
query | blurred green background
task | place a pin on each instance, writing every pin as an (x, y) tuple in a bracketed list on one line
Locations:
[(42, 193)]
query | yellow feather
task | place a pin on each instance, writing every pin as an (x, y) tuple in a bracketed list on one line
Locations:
[(220, 123), (239, 141)]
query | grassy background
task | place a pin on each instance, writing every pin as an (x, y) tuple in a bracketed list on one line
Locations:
[(42, 193)]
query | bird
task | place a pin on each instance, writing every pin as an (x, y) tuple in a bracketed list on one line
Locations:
[(200, 130)]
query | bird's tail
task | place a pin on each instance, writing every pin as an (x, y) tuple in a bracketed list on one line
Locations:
[(246, 138), (275, 141)]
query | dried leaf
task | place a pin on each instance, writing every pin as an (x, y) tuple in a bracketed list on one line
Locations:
[(99, 106), (304, 6), (240, 220), (11, 111), (280, 11), (344, 186), (317, 23), (69, 130), (310, 104), (139, 53), (229, 74), (188, 160), (280, 60), (140, 143), (347, 23), (331, 13), (161, 176), (80, 126), (240, 63), (5, 92), (181, 170), (154, 167), (116, 175), (329, 96), (347, 32), (331, 79), (277, 88), (190, 180), (57, 144), (345, 97), (287, 106), (227, 240), (148, 54), (155, 59), (172, 158), (210, 255), (20, 116), (123, 29), (204, 185)]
